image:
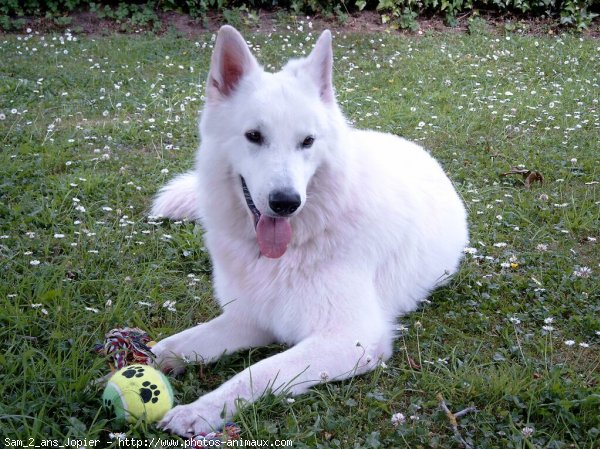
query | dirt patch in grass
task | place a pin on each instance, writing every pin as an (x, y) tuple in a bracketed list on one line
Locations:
[(267, 21)]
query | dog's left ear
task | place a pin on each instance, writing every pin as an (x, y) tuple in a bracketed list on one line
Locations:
[(319, 66)]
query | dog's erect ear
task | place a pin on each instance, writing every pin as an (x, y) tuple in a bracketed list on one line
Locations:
[(231, 61), (319, 65)]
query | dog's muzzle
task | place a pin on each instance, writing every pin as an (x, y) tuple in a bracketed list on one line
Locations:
[(273, 234)]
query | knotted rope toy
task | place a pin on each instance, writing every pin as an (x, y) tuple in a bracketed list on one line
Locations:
[(127, 345)]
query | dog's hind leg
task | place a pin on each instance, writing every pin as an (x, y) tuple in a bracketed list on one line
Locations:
[(178, 199)]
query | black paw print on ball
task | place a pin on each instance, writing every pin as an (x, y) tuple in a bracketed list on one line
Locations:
[(134, 371), (109, 404), (149, 393)]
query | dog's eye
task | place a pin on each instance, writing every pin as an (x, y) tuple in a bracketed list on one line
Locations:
[(308, 141), (254, 136)]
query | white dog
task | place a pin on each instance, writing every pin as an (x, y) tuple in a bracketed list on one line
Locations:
[(320, 234)]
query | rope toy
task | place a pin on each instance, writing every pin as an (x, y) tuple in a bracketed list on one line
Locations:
[(230, 431), (125, 346)]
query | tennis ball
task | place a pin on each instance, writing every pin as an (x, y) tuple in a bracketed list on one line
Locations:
[(138, 392)]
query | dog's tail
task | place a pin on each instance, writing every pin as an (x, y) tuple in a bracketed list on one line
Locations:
[(178, 199)]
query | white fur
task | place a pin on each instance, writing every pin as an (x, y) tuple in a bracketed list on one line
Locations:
[(379, 227), (178, 199)]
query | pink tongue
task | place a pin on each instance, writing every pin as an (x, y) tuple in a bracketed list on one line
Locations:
[(274, 235)]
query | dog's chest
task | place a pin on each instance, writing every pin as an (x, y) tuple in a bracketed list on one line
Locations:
[(283, 296)]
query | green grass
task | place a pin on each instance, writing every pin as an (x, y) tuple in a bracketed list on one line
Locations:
[(88, 127)]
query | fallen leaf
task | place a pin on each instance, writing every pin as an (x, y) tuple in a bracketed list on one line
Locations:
[(414, 365), (529, 176)]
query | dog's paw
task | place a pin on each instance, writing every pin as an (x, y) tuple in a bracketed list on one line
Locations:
[(167, 360), (192, 419)]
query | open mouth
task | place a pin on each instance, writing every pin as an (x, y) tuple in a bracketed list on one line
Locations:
[(250, 203), (272, 233)]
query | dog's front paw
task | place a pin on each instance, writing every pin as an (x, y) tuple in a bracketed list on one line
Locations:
[(166, 359), (192, 419)]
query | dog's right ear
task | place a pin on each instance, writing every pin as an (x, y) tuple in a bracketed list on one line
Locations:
[(231, 61)]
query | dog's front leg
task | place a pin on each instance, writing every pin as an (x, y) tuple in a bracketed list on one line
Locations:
[(207, 342), (317, 359)]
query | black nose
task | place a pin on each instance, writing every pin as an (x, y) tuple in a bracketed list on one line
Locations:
[(284, 202)]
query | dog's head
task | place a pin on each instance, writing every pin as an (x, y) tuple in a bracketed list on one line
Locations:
[(273, 130)]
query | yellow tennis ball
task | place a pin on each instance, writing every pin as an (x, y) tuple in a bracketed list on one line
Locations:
[(138, 392)]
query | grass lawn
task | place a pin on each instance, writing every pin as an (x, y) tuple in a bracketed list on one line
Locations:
[(90, 127)]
